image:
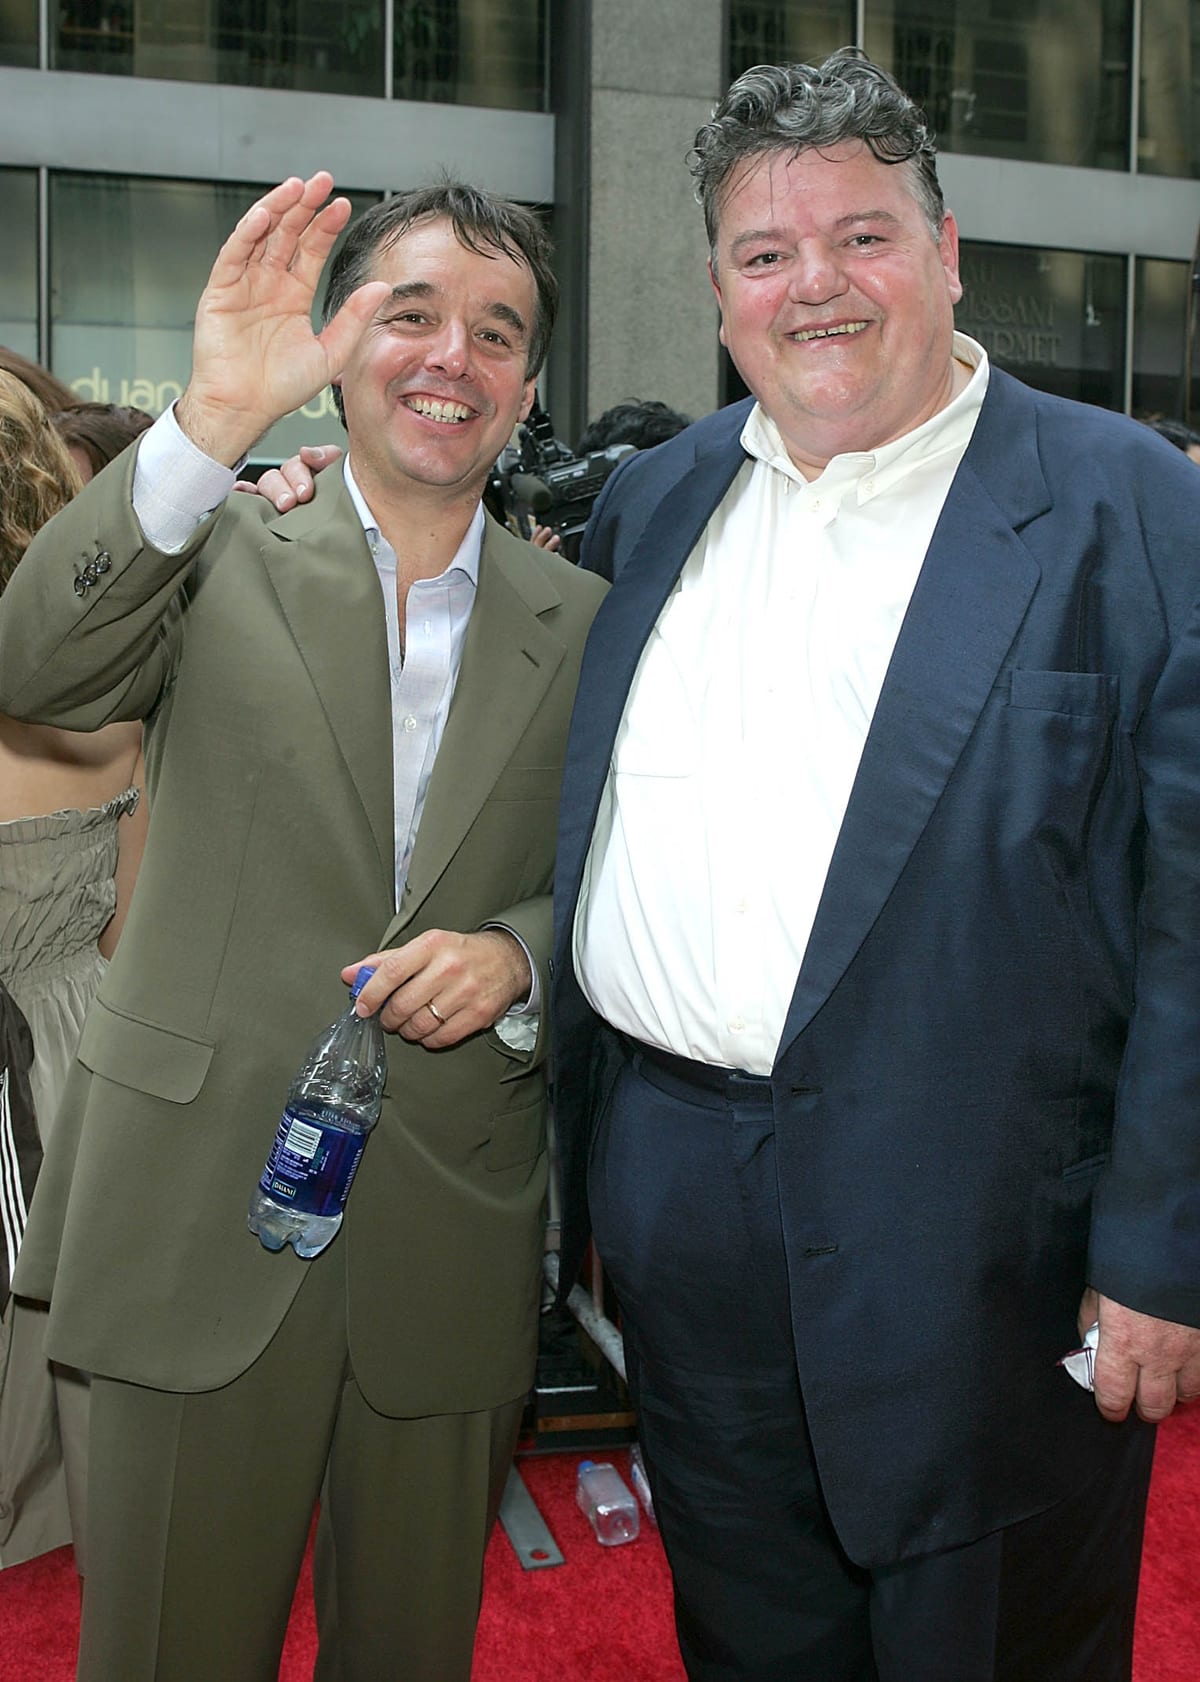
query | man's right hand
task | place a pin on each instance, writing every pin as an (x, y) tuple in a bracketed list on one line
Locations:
[(292, 481), (255, 356)]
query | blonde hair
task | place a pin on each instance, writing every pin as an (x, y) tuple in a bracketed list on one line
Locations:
[(37, 475)]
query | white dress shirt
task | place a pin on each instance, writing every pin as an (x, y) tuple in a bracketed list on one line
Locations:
[(437, 613), (742, 733)]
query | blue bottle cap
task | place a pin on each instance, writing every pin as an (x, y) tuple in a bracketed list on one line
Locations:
[(586, 1465), (360, 981)]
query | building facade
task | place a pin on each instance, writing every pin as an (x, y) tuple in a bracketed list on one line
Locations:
[(134, 132)]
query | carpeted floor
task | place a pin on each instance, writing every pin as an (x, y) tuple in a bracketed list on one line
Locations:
[(605, 1615)]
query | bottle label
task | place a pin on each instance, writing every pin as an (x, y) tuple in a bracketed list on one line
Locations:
[(311, 1164)]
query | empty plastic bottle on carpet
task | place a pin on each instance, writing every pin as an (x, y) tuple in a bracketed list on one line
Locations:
[(609, 1503), (332, 1105), (640, 1482)]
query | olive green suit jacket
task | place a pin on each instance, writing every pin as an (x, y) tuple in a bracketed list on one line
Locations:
[(258, 660)]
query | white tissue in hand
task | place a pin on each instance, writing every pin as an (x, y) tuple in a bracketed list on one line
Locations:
[(1080, 1363)]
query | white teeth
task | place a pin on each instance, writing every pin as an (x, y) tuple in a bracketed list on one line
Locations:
[(435, 409), (829, 332)]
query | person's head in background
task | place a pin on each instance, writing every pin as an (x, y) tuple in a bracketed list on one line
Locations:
[(641, 424), (1183, 437), (37, 475), (96, 433), (50, 391)]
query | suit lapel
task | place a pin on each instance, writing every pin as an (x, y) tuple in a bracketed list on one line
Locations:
[(509, 660), (971, 596), (321, 570)]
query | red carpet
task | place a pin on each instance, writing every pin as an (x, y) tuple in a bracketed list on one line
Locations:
[(606, 1613)]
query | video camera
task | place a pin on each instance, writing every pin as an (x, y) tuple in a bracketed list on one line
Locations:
[(538, 479)]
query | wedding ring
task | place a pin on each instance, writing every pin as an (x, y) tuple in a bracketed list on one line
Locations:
[(436, 1013)]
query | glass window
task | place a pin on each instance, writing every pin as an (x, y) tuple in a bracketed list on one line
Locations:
[(19, 33), (1045, 80), (324, 46), (465, 52), (1056, 319), (472, 52), (128, 259), (1159, 331), (1169, 125), (18, 261), (797, 32)]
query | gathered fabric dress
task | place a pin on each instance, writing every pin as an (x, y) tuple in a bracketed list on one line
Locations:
[(57, 893)]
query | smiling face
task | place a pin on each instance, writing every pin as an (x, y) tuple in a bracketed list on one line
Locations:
[(837, 303), (439, 379)]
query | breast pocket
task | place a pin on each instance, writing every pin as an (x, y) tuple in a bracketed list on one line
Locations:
[(1076, 694), (1056, 736), (527, 782)]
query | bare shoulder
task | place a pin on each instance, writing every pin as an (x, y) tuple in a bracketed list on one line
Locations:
[(45, 769)]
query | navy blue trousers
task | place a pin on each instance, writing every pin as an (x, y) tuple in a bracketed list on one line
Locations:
[(685, 1209)]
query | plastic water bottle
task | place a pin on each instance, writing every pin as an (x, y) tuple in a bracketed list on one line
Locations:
[(640, 1482), (608, 1502), (332, 1104)]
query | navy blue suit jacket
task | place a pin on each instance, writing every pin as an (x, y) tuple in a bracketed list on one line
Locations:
[(988, 1085)]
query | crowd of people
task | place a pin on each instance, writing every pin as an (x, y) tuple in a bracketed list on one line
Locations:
[(828, 836)]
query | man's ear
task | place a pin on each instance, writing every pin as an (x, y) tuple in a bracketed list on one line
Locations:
[(527, 399), (716, 286), (948, 248)]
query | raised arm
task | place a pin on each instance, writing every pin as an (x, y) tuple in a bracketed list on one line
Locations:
[(255, 356), (89, 622)]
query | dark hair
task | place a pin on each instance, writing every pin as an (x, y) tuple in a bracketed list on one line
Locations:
[(1175, 432), (481, 222), (641, 424), (49, 390), (100, 430), (794, 107)]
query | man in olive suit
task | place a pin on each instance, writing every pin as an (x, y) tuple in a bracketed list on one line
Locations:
[(355, 718)]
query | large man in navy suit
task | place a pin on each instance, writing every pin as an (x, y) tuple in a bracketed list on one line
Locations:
[(878, 947)]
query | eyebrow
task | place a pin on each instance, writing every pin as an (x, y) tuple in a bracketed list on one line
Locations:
[(407, 289), (410, 289), (751, 236)]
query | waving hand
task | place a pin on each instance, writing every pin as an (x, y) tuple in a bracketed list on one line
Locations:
[(255, 356)]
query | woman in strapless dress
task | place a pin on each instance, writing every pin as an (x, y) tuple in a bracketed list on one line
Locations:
[(72, 820)]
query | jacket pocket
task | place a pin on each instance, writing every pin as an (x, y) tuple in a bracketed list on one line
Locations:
[(143, 1055), (517, 1136), (527, 782), (1080, 694), (1087, 1167)]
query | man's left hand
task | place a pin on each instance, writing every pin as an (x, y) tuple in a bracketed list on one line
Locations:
[(1140, 1361), (443, 987)]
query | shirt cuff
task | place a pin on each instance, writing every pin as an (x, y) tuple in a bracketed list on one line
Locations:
[(518, 1027), (533, 1003), (175, 485)]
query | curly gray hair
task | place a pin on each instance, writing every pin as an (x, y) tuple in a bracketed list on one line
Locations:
[(794, 107)]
